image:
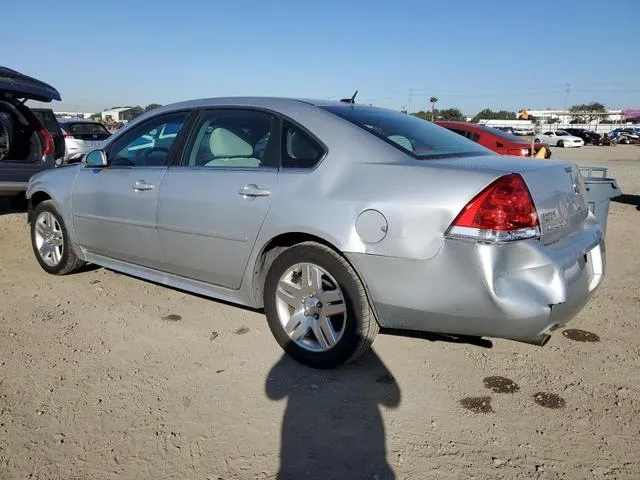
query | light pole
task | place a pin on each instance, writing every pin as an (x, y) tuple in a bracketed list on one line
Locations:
[(433, 101), (566, 98)]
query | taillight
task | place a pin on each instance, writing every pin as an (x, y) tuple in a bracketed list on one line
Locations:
[(49, 147), (502, 212), (519, 152), (68, 135)]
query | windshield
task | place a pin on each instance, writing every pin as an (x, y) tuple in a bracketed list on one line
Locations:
[(417, 137)]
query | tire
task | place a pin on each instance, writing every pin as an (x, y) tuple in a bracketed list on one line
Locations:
[(560, 144), (341, 288), (47, 227)]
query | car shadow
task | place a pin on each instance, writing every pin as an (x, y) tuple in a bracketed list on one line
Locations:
[(628, 200), (7, 209), (439, 337), (332, 425)]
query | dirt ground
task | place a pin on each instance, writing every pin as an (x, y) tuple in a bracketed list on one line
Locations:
[(103, 376)]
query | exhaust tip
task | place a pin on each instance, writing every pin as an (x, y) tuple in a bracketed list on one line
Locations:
[(540, 340)]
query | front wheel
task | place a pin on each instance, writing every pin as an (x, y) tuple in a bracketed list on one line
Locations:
[(317, 307), (50, 241)]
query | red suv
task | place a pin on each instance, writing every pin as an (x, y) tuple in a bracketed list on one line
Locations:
[(500, 142)]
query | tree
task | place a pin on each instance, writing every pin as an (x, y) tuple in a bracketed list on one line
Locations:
[(433, 101), (587, 108), (132, 113), (488, 114), (450, 114), (151, 106)]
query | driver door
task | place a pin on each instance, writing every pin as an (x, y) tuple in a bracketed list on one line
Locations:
[(115, 207)]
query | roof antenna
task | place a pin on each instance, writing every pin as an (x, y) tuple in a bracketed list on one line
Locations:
[(351, 100)]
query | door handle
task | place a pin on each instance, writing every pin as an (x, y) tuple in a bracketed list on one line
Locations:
[(252, 190), (141, 185)]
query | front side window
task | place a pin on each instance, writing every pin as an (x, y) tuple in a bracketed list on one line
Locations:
[(417, 137), (299, 150), (148, 145), (233, 139)]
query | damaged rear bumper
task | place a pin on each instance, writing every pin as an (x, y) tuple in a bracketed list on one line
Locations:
[(521, 290)]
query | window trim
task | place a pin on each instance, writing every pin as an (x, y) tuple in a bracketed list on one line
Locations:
[(278, 130), (314, 139), (176, 148), (199, 114)]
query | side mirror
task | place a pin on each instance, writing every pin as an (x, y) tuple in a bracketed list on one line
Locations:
[(95, 158)]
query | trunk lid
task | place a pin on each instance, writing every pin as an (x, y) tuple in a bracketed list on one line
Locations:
[(19, 85), (556, 187)]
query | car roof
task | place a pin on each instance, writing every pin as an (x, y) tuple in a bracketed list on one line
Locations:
[(264, 102)]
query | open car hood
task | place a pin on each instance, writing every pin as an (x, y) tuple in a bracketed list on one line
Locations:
[(22, 86)]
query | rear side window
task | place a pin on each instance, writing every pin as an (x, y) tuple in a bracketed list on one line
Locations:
[(417, 137), (299, 150)]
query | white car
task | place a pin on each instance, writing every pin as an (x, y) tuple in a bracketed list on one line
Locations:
[(559, 138), (81, 136)]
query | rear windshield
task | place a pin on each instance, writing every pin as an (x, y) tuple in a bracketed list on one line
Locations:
[(417, 137), (86, 128)]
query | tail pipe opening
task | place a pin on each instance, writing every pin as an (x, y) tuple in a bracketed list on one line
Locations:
[(540, 340)]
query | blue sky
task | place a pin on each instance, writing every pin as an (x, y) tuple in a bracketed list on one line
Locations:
[(470, 54)]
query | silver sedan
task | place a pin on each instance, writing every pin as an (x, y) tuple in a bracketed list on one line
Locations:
[(336, 218)]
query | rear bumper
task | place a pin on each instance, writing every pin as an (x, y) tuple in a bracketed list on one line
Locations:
[(518, 291)]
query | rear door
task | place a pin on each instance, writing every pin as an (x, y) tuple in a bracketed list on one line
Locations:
[(115, 207), (212, 205)]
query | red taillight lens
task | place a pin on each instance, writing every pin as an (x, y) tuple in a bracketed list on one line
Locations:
[(68, 135), (49, 147), (520, 152), (503, 211)]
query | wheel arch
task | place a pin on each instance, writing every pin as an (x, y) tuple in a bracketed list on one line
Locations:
[(276, 245), (35, 199)]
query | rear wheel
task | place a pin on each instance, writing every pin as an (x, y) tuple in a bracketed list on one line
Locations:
[(317, 308), (50, 241), (560, 143)]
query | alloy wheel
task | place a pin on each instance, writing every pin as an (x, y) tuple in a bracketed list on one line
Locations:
[(311, 307), (49, 238)]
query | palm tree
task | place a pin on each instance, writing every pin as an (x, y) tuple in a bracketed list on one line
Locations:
[(433, 101)]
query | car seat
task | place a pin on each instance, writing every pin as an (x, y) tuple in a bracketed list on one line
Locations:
[(229, 150)]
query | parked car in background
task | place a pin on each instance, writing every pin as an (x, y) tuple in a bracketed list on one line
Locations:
[(559, 138), (498, 140), (625, 135), (50, 122), (310, 208), (587, 136), (26, 146), (82, 136)]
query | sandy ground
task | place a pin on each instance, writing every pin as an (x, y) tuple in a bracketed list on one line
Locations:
[(104, 376)]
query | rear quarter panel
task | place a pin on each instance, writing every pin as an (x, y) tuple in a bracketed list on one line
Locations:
[(418, 202)]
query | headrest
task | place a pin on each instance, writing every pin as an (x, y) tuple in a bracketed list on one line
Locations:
[(224, 143)]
